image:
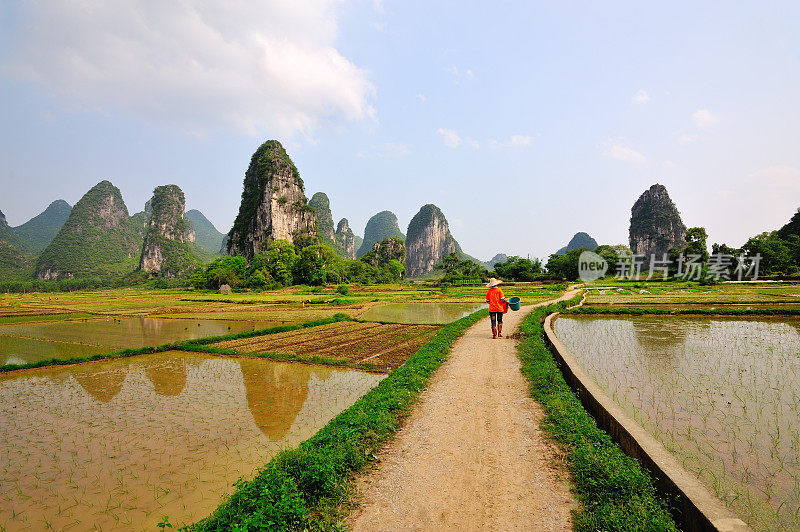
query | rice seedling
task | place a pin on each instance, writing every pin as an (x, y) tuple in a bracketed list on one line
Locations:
[(110, 456), (720, 393)]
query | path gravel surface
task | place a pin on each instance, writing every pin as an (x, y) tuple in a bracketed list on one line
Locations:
[(471, 455)]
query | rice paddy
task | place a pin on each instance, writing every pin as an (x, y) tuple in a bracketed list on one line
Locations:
[(722, 394), (430, 313), (384, 347), (30, 342), (784, 295), (119, 444)]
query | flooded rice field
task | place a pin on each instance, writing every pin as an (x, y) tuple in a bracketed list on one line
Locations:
[(119, 444), (424, 313), (722, 394), (31, 342)]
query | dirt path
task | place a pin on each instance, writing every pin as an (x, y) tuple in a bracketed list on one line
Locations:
[(471, 455)]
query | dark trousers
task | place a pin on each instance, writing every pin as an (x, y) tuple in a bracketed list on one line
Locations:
[(496, 317)]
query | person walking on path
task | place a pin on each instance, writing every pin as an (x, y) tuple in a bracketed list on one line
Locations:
[(497, 306)]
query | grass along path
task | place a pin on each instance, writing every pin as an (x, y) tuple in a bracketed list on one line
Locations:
[(471, 455)]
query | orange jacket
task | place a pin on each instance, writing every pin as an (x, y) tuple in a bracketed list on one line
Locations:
[(495, 298)]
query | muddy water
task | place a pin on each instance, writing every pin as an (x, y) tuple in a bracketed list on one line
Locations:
[(423, 313), (40, 341), (723, 395), (119, 444)]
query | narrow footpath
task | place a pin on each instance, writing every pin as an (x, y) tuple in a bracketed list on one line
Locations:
[(471, 455)]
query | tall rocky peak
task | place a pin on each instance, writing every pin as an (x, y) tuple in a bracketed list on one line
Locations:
[(345, 239), (656, 224), (322, 206), (165, 250), (385, 251), (580, 240), (40, 230), (273, 204), (98, 238), (380, 227), (428, 241)]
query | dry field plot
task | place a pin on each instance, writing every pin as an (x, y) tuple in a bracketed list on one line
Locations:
[(385, 346)]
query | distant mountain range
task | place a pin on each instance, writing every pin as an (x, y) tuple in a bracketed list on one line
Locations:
[(40, 230), (206, 235), (98, 237)]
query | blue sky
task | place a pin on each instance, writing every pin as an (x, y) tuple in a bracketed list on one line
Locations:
[(525, 122)]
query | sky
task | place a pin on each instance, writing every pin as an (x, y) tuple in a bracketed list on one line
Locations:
[(525, 122)]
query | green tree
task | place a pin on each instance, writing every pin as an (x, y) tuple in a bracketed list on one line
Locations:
[(565, 266), (518, 269), (396, 270), (280, 261), (314, 264), (776, 254), (696, 238), (226, 270)]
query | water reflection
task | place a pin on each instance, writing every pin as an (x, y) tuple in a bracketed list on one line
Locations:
[(127, 441), (102, 383), (32, 342), (423, 313), (17, 350), (167, 375), (277, 393)]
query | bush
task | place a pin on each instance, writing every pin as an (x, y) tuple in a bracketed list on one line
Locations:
[(343, 289)]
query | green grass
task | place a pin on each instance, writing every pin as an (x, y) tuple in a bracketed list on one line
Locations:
[(27, 318), (309, 487), (187, 345), (614, 491)]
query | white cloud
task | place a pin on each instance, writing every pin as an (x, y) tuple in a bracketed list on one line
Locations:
[(453, 140), (515, 141), (641, 96), (421, 97), (704, 118), (271, 68), (686, 138), (450, 137), (459, 73), (780, 175), (616, 150)]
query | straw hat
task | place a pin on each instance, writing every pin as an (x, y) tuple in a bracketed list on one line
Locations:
[(493, 282)]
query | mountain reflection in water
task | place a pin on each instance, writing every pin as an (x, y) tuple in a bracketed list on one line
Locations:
[(160, 434)]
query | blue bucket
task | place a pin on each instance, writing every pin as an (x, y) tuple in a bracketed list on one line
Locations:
[(514, 302)]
